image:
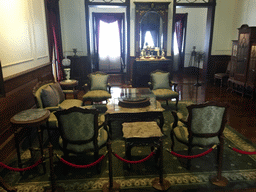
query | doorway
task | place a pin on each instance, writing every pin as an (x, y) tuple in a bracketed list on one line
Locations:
[(108, 42), (208, 35), (108, 52)]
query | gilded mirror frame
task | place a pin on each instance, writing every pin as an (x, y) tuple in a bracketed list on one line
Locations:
[(141, 9)]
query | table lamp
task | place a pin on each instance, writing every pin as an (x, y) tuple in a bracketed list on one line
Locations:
[(66, 63)]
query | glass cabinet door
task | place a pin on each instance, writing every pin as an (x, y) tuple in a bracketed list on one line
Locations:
[(252, 65), (242, 56), (233, 58)]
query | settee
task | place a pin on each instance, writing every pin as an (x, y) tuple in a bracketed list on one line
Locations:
[(49, 95)]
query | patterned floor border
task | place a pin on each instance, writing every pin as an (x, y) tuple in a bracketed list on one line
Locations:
[(139, 182)]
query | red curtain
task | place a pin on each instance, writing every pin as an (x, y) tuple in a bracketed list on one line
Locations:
[(54, 35), (179, 25), (180, 20)]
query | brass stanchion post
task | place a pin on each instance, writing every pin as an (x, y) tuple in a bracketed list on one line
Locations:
[(53, 187), (111, 186), (219, 180), (160, 183)]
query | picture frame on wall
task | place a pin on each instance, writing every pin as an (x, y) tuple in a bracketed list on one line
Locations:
[(2, 91)]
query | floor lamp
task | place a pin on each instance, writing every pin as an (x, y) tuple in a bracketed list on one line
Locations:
[(198, 58)]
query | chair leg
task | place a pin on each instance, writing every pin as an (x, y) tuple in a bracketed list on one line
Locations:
[(66, 167), (157, 157), (166, 101), (172, 138), (96, 156), (177, 100), (189, 160), (128, 155)]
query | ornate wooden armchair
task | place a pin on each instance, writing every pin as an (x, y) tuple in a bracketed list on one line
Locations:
[(99, 88), (49, 95), (161, 86), (222, 76), (204, 127), (81, 132)]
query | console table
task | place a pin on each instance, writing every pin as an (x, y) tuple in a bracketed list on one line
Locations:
[(143, 68), (29, 118), (69, 86)]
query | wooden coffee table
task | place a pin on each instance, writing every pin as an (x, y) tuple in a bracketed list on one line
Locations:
[(117, 113)]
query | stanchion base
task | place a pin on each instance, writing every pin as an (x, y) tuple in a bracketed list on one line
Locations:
[(115, 188), (222, 182), (161, 186), (58, 189)]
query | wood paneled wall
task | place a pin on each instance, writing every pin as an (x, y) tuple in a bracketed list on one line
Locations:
[(18, 89)]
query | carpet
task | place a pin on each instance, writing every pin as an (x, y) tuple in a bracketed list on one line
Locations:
[(240, 170)]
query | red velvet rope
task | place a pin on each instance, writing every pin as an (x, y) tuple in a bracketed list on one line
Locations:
[(244, 152), (21, 169), (82, 166), (134, 162), (192, 156)]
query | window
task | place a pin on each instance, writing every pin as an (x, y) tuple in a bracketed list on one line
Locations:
[(148, 39)]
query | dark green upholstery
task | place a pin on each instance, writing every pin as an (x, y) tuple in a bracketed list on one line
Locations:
[(80, 131), (204, 126)]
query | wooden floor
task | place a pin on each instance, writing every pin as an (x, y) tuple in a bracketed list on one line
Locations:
[(242, 110)]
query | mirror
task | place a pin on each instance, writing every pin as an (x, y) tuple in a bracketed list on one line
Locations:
[(151, 28)]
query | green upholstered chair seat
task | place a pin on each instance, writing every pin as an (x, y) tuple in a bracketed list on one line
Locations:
[(96, 95), (102, 139), (165, 93), (53, 123), (68, 103), (181, 133)]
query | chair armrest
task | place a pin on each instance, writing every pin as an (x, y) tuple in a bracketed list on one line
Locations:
[(178, 117), (55, 108), (85, 87), (150, 85), (109, 87), (174, 85)]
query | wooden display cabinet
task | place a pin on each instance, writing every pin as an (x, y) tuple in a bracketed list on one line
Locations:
[(242, 76)]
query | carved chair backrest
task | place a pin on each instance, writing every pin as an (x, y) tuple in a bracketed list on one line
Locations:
[(207, 120), (78, 125)]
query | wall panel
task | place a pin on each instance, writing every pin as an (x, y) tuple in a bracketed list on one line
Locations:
[(23, 36), (18, 97)]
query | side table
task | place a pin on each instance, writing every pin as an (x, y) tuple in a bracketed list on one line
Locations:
[(69, 86), (31, 118)]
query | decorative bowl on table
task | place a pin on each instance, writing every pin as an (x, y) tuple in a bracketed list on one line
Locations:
[(134, 102)]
